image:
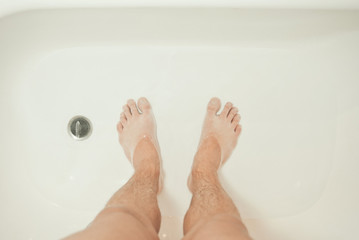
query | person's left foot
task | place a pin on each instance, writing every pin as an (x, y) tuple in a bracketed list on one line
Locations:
[(137, 135)]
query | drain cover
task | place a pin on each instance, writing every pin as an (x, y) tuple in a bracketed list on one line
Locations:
[(79, 128)]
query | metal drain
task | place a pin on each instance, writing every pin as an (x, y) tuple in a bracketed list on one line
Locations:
[(79, 127)]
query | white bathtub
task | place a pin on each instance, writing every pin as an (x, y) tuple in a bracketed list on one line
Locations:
[(294, 75)]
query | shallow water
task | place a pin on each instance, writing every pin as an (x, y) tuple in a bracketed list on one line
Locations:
[(278, 160)]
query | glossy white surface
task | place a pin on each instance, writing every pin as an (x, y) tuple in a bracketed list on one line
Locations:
[(8, 7), (293, 73)]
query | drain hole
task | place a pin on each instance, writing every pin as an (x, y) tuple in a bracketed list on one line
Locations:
[(79, 128)]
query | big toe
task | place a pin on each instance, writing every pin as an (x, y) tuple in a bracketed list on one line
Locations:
[(143, 104), (214, 105)]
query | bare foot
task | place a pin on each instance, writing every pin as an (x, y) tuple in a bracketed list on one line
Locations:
[(219, 136), (138, 137)]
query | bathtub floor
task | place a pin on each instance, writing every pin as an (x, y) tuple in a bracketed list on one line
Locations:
[(292, 95)]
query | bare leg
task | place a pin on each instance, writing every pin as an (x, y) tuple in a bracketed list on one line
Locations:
[(212, 213), (132, 212)]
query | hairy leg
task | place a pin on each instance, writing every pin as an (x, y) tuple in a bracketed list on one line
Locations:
[(132, 212), (212, 213)]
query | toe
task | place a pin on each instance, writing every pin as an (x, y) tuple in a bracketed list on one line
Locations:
[(226, 109), (235, 120), (126, 111), (143, 104), (132, 104), (238, 129), (123, 119), (232, 113), (119, 127), (214, 105)]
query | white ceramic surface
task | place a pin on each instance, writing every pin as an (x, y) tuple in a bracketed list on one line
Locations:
[(12, 6), (293, 74)]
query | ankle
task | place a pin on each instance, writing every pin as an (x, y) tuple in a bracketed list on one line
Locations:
[(147, 172), (201, 177), (148, 178), (146, 159), (202, 168), (208, 156)]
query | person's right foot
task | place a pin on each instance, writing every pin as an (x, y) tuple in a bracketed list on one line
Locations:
[(218, 139)]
